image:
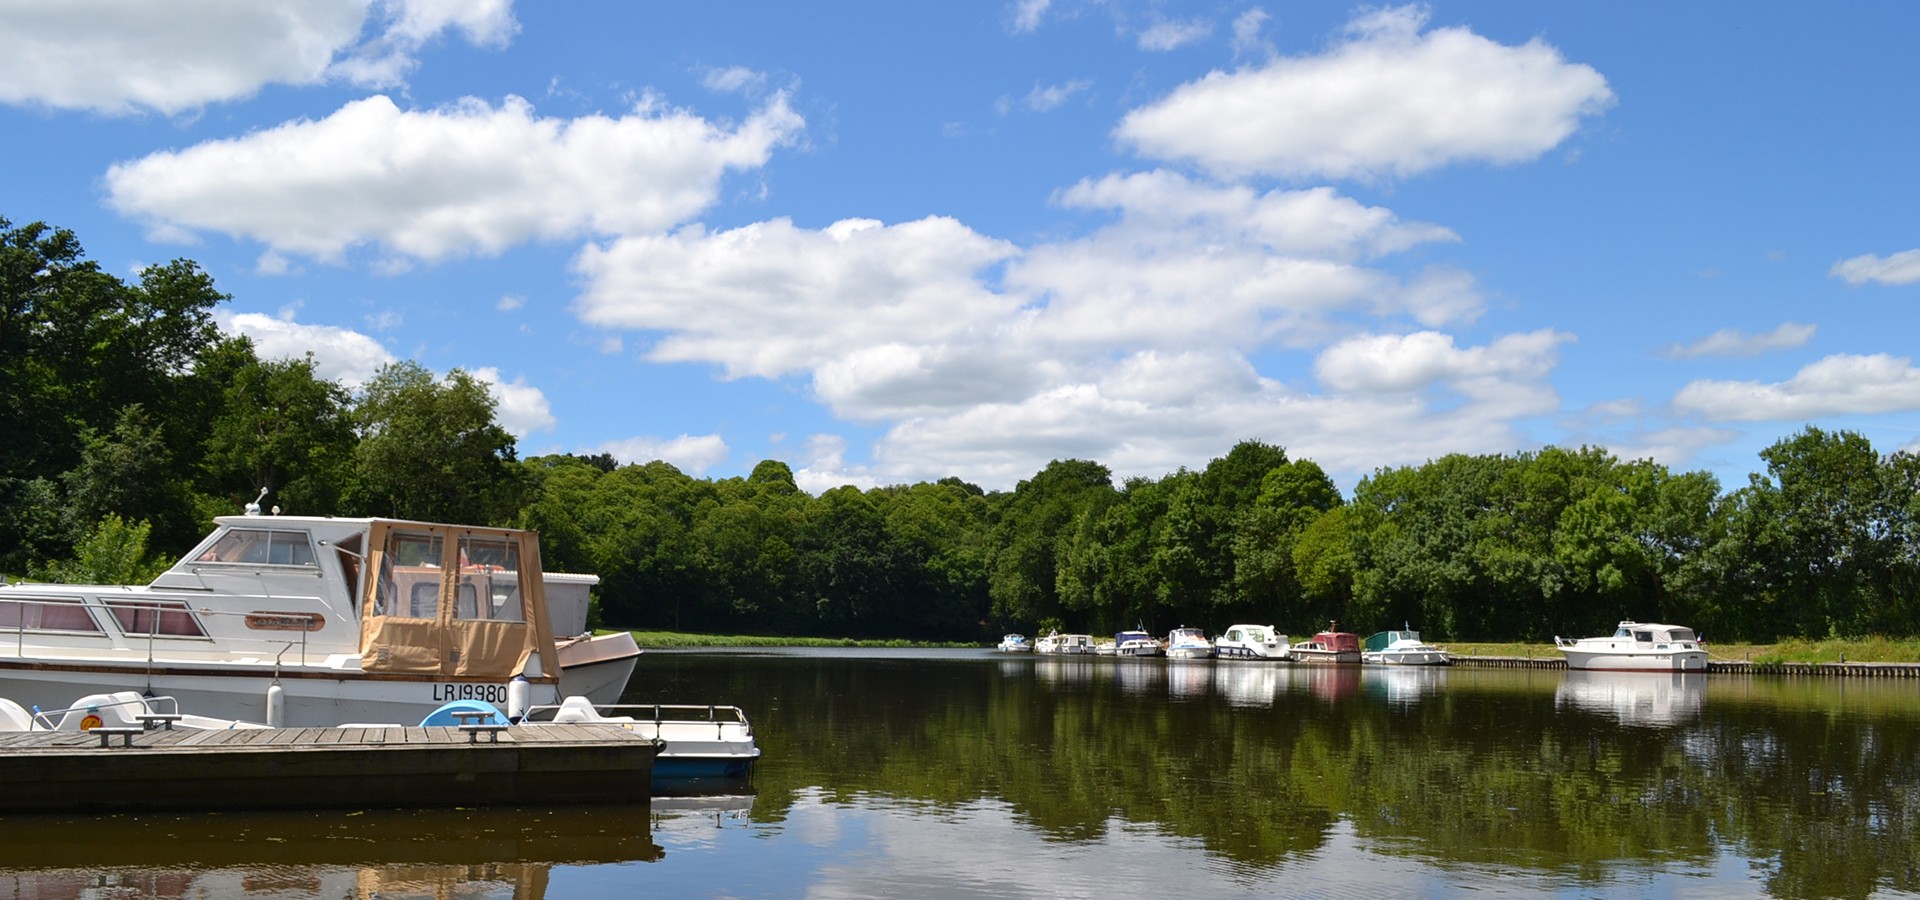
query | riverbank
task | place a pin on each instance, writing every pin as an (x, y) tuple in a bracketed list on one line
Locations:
[(1872, 649)]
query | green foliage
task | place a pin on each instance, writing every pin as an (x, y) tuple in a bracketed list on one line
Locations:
[(113, 551), (283, 428), (431, 450)]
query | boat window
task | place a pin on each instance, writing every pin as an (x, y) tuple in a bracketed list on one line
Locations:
[(1645, 637), (409, 582), (489, 585), (260, 546), (1680, 634), (171, 618), (46, 615)]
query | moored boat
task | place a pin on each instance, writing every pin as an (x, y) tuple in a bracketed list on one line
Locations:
[(1637, 647), (1065, 644), (314, 621), (1257, 642), (1402, 648), (1014, 643), (1330, 646), (1136, 643), (695, 741), (1188, 643)]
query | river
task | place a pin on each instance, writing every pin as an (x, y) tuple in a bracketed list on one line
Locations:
[(968, 774)]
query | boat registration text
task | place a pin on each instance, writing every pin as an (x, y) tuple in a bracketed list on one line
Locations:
[(485, 693)]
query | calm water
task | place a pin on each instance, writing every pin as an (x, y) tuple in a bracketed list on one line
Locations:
[(965, 774)]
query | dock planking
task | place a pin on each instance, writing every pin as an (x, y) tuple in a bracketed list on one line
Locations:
[(301, 768)]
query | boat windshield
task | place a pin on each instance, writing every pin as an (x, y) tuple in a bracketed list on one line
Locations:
[(260, 546)]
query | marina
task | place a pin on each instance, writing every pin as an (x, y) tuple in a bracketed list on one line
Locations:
[(917, 772)]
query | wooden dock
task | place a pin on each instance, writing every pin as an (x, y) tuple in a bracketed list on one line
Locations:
[(304, 768)]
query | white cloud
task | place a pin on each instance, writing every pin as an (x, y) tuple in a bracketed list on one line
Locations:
[(1900, 268), (1401, 363), (1839, 384), (826, 467), (510, 302), (432, 184), (122, 56), (1247, 39), (1048, 97), (1390, 100), (1172, 35), (1027, 14), (386, 60), (770, 299), (348, 357), (692, 454), (1733, 342), (734, 80), (522, 409)]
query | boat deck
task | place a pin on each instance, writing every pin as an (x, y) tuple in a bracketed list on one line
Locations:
[(298, 768)]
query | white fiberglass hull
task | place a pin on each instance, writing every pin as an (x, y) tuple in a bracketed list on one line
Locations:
[(1612, 660), (1189, 652), (312, 697), (1255, 652), (1430, 657)]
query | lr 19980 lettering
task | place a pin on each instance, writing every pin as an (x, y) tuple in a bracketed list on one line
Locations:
[(486, 693)]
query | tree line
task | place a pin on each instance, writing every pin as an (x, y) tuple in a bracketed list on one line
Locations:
[(128, 420)]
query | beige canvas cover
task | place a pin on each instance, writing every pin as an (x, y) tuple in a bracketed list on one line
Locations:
[(454, 601)]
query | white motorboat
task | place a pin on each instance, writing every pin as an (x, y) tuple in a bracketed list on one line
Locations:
[(299, 620), (119, 709), (1257, 642), (1136, 643), (1065, 644), (695, 741), (1014, 643), (1637, 647), (1188, 643), (1402, 648)]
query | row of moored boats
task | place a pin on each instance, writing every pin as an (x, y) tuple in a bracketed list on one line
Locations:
[(1634, 646), (1261, 643)]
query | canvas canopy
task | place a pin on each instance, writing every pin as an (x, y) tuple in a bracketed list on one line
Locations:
[(455, 601)]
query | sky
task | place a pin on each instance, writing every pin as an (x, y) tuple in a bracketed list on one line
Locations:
[(895, 242)]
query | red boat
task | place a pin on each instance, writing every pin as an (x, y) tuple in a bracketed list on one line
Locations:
[(1332, 646)]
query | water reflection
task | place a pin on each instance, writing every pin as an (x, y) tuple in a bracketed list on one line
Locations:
[(1648, 699), (439, 853)]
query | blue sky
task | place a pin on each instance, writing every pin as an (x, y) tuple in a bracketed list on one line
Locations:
[(893, 242)]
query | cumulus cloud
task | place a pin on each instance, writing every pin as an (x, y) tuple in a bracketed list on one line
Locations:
[(826, 467), (1391, 100), (385, 60), (1389, 363), (1839, 384), (522, 409), (690, 453), (771, 299), (470, 178), (1247, 35), (1900, 268), (339, 354), (1734, 342), (123, 56)]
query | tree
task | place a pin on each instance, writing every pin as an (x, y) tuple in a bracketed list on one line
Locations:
[(285, 429), (430, 449)]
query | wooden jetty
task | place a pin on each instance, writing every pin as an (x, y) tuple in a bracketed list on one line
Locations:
[(116, 770)]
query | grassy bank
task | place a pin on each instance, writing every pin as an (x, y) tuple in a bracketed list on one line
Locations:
[(665, 640), (1872, 649)]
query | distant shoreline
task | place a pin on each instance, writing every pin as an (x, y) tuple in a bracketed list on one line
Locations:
[(1871, 649)]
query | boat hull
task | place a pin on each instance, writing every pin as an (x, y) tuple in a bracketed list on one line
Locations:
[(1327, 657), (1427, 657), (1254, 653), (1632, 661)]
